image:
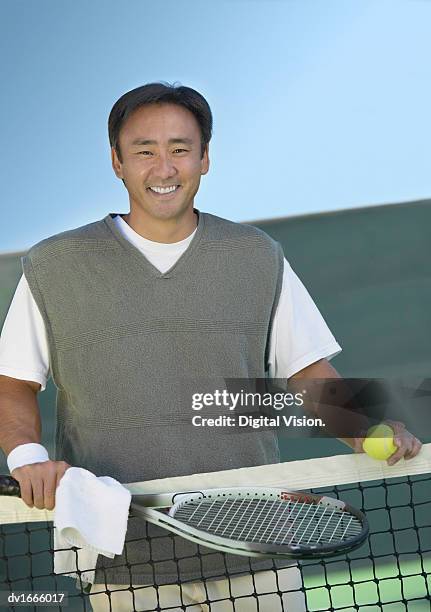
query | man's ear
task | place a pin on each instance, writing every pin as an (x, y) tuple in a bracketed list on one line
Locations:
[(116, 164), (205, 161)]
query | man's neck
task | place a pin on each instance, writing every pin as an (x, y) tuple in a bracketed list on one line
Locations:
[(166, 232)]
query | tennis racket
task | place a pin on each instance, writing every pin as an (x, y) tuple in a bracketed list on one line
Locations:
[(251, 521)]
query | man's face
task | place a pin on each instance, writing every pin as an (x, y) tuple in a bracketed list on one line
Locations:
[(161, 162)]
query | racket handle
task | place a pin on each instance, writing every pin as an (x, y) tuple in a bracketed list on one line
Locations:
[(9, 486)]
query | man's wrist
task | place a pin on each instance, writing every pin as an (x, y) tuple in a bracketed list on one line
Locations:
[(26, 454)]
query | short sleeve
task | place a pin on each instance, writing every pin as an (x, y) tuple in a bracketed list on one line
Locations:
[(24, 352), (300, 335)]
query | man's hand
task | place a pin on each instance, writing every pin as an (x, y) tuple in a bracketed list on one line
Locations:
[(39, 481), (408, 446)]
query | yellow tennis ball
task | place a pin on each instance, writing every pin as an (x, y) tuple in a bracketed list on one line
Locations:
[(379, 443)]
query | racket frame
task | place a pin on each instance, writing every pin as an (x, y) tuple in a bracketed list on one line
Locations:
[(148, 507)]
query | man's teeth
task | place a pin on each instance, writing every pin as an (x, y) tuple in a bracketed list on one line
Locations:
[(164, 189)]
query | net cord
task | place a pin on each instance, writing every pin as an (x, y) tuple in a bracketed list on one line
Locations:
[(294, 475)]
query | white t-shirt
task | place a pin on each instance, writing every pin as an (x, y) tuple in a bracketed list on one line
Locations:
[(299, 335)]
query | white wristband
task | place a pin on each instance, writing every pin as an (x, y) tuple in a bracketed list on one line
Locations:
[(25, 454)]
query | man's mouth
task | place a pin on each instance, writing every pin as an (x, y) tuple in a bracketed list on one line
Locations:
[(164, 190)]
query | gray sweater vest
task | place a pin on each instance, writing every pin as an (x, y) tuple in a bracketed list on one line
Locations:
[(130, 345)]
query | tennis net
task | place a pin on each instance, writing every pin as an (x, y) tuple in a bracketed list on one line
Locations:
[(389, 572)]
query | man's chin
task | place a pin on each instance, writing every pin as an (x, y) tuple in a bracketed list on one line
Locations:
[(171, 210)]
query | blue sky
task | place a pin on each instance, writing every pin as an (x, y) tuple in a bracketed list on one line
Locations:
[(318, 104)]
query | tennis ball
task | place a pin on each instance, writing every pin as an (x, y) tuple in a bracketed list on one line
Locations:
[(379, 443)]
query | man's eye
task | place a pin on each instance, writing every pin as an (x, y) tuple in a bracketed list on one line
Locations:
[(144, 153), (180, 150)]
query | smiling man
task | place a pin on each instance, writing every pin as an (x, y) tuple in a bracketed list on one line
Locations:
[(124, 311)]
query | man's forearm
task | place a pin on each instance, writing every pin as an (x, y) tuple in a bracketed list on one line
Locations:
[(338, 419), (20, 425), (19, 413)]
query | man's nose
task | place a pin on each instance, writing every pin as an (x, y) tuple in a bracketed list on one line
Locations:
[(165, 167)]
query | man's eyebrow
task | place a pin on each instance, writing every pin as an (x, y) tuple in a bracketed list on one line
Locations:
[(146, 141)]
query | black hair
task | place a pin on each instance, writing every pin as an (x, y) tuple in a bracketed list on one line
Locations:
[(162, 93)]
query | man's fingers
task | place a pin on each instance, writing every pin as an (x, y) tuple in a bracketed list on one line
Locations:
[(407, 444), (408, 447), (399, 453), (397, 426), (415, 448), (26, 491), (52, 482), (49, 487), (39, 481), (62, 467), (38, 497)]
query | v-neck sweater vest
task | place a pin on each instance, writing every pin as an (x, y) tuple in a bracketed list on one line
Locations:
[(129, 346)]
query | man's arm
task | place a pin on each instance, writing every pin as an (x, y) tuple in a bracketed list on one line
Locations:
[(408, 446), (20, 424)]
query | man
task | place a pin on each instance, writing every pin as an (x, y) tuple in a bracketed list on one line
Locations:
[(127, 313)]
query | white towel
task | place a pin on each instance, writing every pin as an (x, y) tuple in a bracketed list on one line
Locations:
[(90, 513)]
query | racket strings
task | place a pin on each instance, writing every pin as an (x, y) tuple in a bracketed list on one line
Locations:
[(270, 521)]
